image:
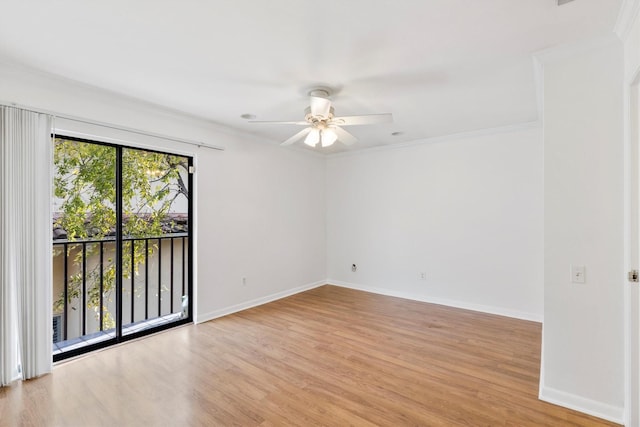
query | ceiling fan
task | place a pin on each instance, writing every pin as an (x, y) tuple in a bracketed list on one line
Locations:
[(323, 127)]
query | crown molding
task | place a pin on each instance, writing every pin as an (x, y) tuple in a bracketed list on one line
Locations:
[(626, 17), (30, 75), (567, 50), (444, 138)]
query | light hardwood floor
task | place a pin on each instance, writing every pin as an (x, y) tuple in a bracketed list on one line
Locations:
[(328, 356)]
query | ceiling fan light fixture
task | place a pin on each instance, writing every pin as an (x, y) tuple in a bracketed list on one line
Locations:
[(322, 126), (328, 137), (312, 138)]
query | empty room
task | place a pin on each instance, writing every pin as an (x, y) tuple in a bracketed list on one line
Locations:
[(338, 213)]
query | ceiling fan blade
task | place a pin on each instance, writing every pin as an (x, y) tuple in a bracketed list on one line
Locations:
[(343, 136), (367, 119), (304, 123), (298, 136), (320, 106)]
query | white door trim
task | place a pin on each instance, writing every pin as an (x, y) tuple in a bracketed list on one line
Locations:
[(631, 242)]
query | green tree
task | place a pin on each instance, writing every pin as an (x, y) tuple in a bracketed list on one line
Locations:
[(84, 186)]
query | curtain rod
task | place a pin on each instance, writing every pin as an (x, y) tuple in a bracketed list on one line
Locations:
[(111, 126)]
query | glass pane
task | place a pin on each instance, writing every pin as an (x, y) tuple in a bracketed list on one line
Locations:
[(155, 204), (83, 244)]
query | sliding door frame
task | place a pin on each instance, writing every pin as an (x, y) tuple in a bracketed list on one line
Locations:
[(119, 336)]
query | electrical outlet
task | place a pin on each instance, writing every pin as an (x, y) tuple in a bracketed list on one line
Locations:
[(422, 276), (244, 281), (354, 268)]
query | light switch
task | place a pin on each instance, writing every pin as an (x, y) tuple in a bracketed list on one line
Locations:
[(578, 274)]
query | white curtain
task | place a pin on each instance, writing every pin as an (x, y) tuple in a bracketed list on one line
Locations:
[(25, 244)]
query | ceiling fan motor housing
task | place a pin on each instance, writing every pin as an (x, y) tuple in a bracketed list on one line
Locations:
[(315, 119), (320, 93)]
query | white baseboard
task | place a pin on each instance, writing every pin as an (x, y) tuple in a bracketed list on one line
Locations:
[(441, 301), (257, 301), (382, 291), (578, 403)]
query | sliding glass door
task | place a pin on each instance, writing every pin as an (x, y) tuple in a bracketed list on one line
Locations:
[(121, 243), (155, 243)]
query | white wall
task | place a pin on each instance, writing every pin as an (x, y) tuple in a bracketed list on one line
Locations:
[(259, 208), (583, 339), (467, 212), (262, 217)]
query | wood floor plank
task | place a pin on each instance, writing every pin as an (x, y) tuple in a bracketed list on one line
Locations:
[(328, 356)]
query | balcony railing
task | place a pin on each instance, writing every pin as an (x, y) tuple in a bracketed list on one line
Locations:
[(155, 284)]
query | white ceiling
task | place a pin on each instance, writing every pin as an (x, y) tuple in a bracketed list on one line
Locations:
[(440, 66)]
